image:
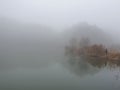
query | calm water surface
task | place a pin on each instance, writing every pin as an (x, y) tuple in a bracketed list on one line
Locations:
[(69, 75)]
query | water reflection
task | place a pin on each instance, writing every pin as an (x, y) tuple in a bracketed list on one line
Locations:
[(80, 66), (101, 63), (83, 66)]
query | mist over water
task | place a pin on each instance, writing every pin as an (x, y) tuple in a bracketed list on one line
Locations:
[(33, 57), (33, 37)]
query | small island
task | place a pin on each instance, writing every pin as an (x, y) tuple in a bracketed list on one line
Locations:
[(88, 50)]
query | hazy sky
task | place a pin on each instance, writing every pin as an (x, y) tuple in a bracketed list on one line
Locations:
[(63, 13)]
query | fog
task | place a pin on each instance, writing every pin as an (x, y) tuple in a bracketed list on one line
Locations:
[(27, 44), (34, 33), (62, 14)]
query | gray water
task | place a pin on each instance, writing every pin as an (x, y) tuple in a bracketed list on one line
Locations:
[(57, 76)]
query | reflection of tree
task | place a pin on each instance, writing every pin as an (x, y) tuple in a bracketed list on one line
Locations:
[(80, 67), (103, 62), (97, 62), (90, 65), (114, 63)]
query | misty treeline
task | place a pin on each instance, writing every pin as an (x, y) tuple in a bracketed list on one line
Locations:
[(36, 45)]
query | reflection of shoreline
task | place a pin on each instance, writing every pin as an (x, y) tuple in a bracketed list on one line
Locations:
[(95, 61), (103, 62), (83, 66), (80, 67)]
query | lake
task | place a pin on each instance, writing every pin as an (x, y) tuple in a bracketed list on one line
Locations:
[(68, 75)]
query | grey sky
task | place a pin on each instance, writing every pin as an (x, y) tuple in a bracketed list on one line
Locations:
[(63, 13)]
